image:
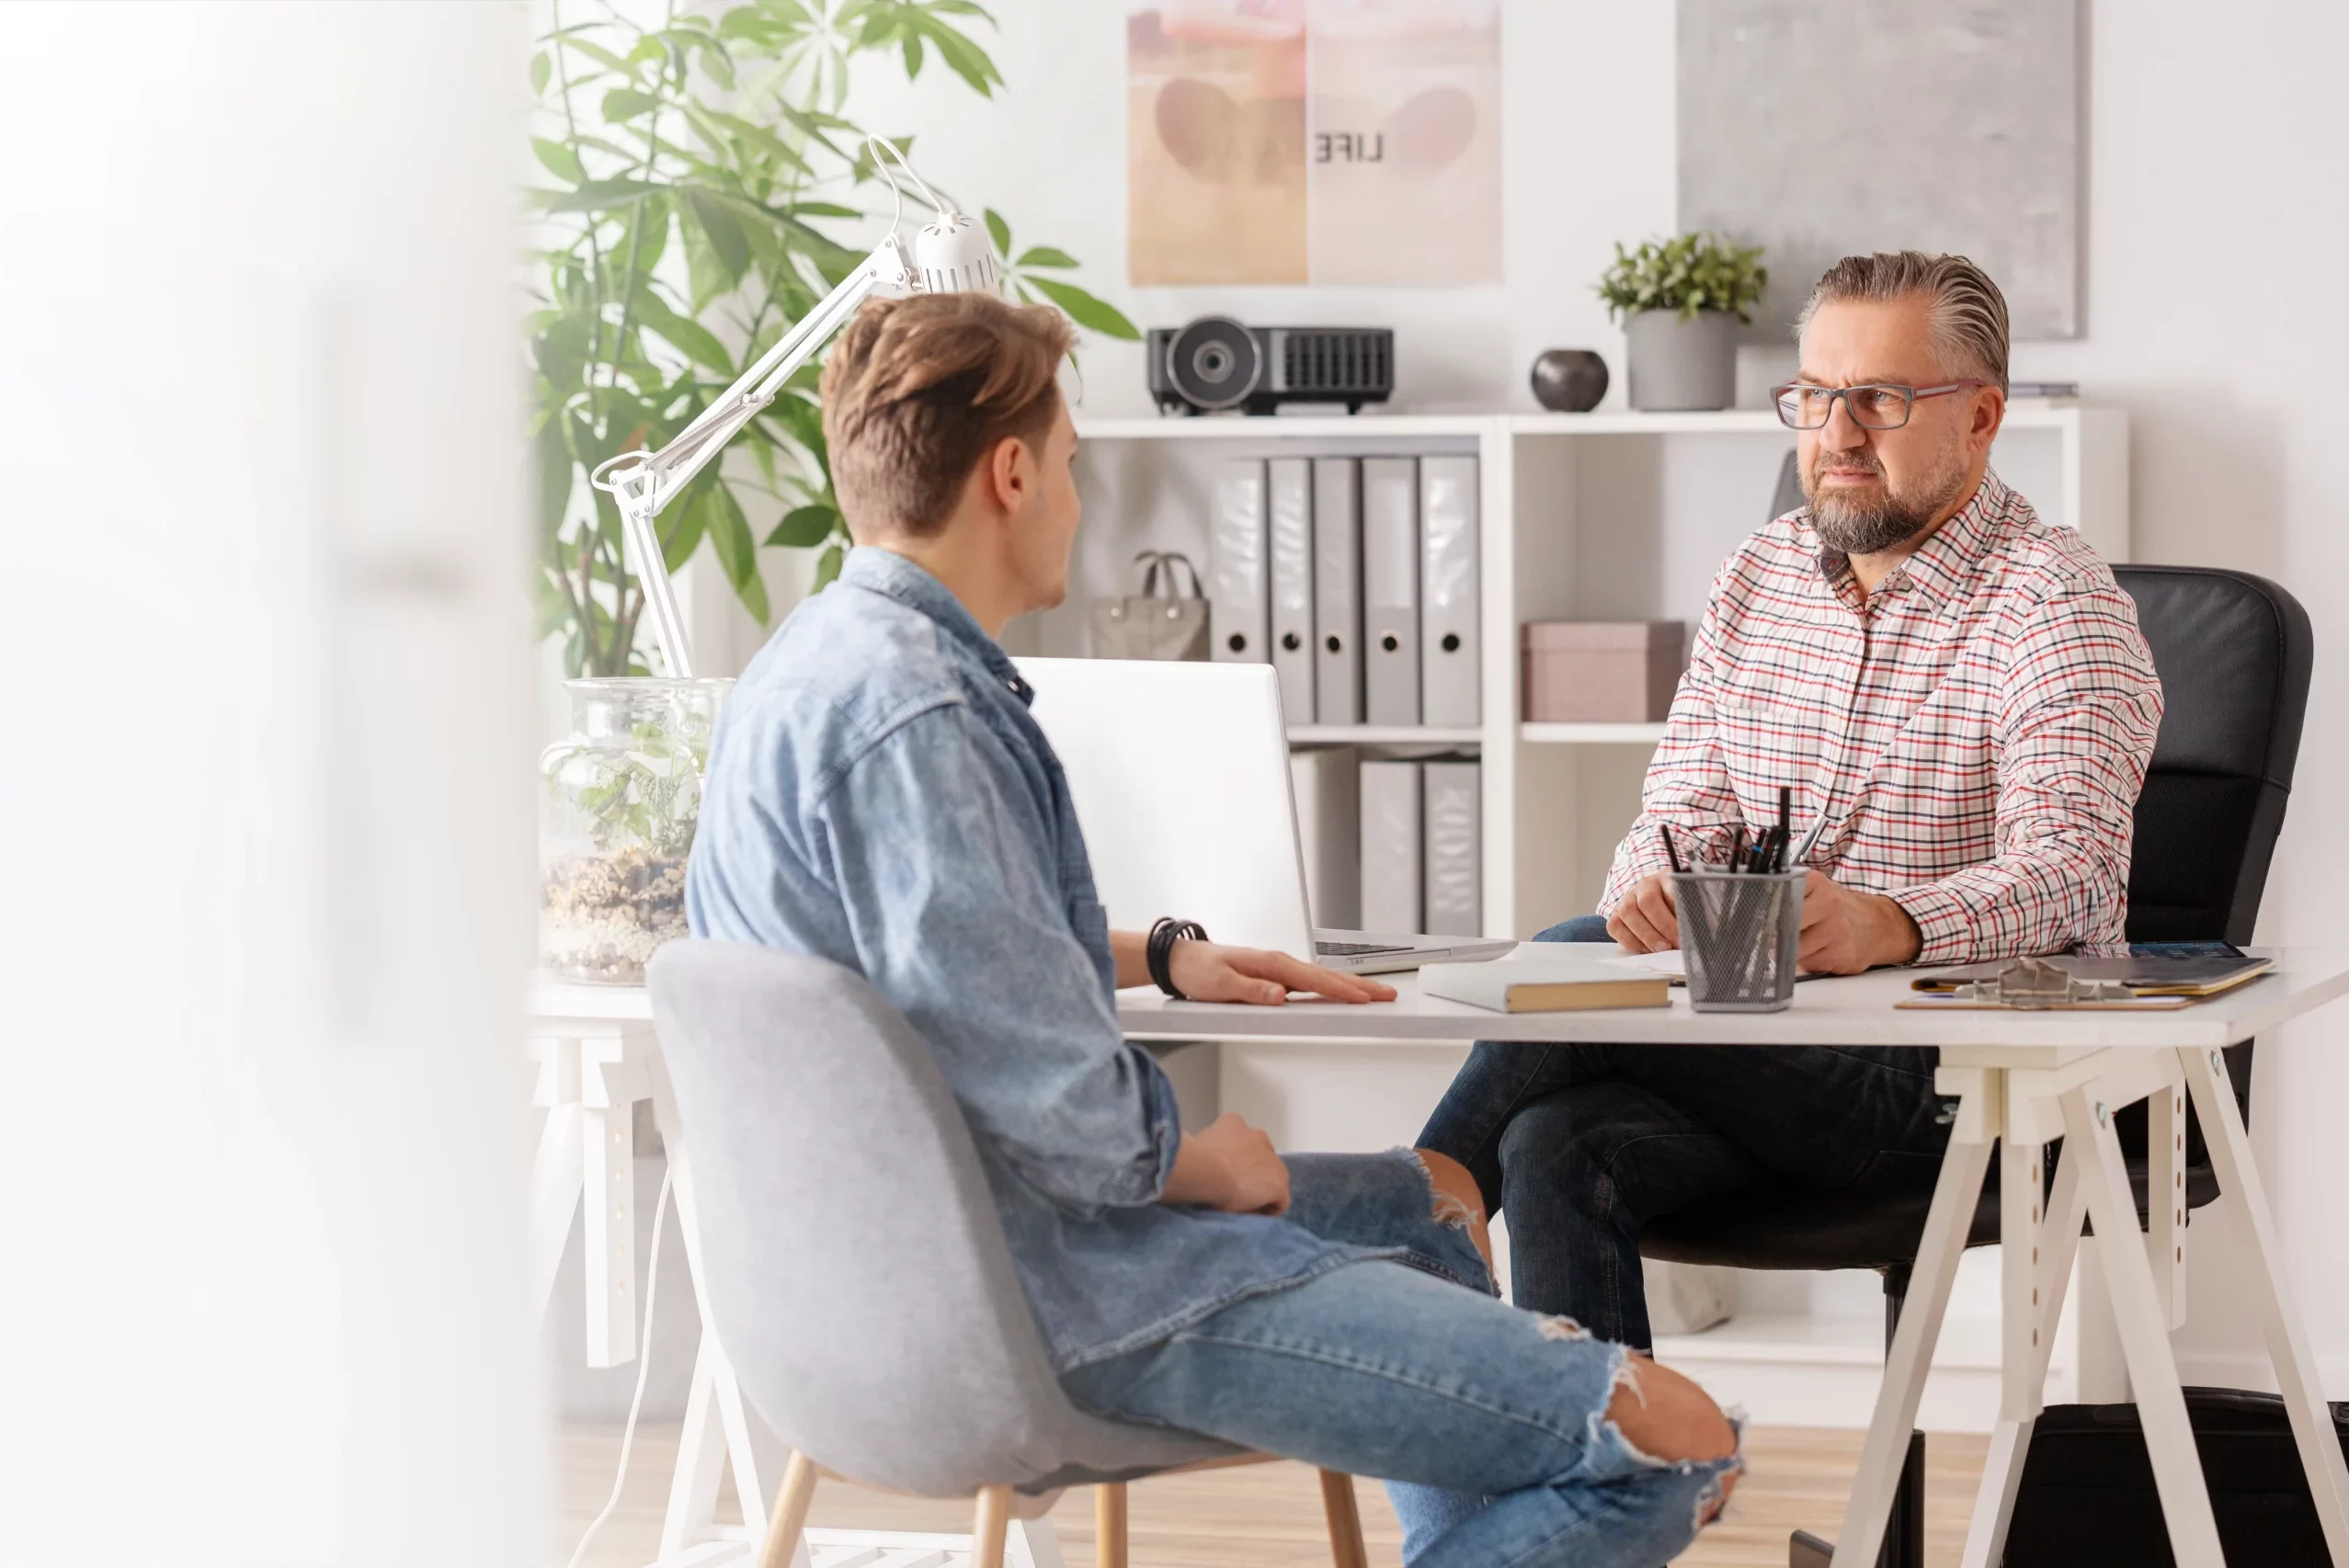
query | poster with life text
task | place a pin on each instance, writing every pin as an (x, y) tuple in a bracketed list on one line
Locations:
[(1313, 142)]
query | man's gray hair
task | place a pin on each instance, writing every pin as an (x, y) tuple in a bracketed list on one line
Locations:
[(1970, 331)]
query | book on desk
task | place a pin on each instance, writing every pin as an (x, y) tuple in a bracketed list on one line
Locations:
[(1543, 984)]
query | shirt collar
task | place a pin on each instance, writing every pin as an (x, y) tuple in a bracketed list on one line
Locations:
[(886, 573), (1939, 567)]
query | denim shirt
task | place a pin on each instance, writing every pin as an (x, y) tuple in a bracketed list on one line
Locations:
[(879, 795)]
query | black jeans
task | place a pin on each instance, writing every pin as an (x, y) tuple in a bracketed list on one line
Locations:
[(1581, 1146)]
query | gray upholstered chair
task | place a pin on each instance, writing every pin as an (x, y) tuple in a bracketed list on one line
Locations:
[(855, 1269)]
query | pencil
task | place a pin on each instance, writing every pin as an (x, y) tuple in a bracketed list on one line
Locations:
[(1669, 853)]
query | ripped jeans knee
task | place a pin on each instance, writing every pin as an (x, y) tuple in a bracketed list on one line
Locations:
[(1391, 1201), (1609, 1453)]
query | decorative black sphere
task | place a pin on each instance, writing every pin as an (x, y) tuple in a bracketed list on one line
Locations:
[(1570, 381)]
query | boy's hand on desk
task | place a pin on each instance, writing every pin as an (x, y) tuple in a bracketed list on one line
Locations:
[(1846, 932), (1209, 971)]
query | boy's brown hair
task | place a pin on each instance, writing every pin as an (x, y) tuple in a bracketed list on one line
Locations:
[(918, 390)]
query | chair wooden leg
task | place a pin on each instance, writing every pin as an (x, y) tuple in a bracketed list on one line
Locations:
[(790, 1513), (1109, 1525), (991, 1522), (1345, 1520)]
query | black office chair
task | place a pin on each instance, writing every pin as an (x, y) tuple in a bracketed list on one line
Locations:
[(2234, 653)]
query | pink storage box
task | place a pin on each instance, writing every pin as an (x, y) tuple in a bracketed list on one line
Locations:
[(1602, 672)]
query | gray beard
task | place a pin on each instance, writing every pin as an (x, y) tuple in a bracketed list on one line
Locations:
[(1870, 528)]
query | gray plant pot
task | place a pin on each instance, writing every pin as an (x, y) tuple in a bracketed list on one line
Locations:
[(1677, 364)]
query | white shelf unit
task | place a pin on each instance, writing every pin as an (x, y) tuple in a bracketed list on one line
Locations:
[(1610, 515), (1382, 735)]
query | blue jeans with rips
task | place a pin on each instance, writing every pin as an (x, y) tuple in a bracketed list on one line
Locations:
[(1491, 1422), (1581, 1146)]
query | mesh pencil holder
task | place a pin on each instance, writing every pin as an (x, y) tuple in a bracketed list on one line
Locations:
[(1741, 936)]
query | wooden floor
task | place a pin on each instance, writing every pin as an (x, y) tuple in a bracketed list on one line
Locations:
[(1271, 1514)]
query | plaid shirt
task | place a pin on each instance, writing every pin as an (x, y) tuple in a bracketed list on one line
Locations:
[(1978, 727)]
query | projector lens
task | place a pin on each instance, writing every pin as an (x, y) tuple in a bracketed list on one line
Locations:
[(1214, 363)]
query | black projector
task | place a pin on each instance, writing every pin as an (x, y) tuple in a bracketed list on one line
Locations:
[(1215, 364)]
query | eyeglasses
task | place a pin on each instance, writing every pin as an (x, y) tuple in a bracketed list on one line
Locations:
[(1802, 406)]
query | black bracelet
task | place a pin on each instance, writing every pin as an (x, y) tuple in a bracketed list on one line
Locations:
[(1160, 948)]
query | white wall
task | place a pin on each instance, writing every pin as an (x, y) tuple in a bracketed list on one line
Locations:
[(264, 842), (2216, 220)]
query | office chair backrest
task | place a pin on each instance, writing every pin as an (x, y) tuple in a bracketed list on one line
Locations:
[(2234, 653), (855, 1267)]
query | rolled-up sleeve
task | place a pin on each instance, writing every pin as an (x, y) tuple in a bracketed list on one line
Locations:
[(945, 866), (2078, 717)]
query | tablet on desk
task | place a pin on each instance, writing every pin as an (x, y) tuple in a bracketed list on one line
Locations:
[(2188, 969)]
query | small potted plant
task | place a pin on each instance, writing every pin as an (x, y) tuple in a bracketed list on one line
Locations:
[(1680, 301)]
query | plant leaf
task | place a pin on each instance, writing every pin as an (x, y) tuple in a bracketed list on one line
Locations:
[(559, 160), (723, 229), (1044, 256), (1085, 310), (828, 567), (604, 196), (999, 232), (695, 341), (737, 552), (627, 103), (541, 69), (965, 59), (804, 528), (686, 525), (597, 52)]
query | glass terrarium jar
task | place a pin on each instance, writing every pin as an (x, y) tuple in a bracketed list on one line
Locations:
[(621, 797)]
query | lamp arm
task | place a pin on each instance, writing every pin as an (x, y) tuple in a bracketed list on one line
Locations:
[(641, 484)]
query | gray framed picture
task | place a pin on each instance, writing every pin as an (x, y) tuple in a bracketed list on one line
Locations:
[(1821, 128)]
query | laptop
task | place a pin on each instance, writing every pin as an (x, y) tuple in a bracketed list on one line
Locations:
[(1181, 775)]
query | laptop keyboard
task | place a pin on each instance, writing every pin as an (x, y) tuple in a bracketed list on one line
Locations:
[(1355, 949)]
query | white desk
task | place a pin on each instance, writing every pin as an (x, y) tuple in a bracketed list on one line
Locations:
[(2027, 1078)]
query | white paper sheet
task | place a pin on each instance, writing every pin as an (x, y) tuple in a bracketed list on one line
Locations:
[(1668, 961)]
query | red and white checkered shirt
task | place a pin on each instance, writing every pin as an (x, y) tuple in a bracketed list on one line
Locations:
[(1977, 730)]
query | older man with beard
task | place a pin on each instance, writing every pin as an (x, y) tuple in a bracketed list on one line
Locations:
[(1959, 689)]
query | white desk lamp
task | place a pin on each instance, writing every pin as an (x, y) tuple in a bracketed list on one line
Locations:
[(951, 254)]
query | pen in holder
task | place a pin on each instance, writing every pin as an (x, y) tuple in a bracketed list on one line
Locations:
[(1741, 936)]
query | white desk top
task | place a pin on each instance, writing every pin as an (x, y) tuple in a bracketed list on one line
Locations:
[(1854, 1011), (1857, 1010)]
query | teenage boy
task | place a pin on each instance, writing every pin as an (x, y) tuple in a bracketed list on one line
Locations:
[(879, 796)]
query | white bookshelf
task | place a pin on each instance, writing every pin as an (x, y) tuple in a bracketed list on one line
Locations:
[(1616, 516), (1382, 735)]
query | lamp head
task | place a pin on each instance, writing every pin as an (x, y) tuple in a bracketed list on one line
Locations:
[(954, 256)]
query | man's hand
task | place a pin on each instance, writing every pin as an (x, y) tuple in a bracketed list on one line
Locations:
[(1845, 932), (1645, 922), (1230, 1167), (1209, 971)]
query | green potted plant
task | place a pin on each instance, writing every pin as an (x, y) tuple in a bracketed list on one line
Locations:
[(706, 192), (1680, 301)]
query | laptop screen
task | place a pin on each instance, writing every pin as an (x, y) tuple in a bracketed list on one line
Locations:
[(1181, 775)]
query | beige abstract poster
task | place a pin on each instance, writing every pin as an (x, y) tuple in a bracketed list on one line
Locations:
[(1313, 142)]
